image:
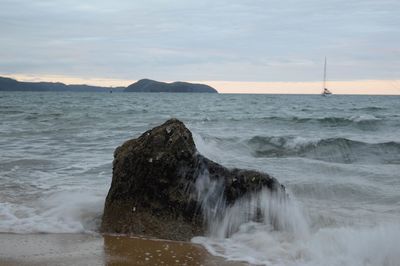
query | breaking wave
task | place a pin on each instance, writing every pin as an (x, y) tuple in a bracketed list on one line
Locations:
[(273, 209), (364, 120), (338, 150), (347, 246), (64, 212), (357, 120)]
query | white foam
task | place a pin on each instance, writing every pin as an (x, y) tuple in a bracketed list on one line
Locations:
[(344, 246), (274, 210), (210, 148), (62, 212), (267, 228), (363, 118)]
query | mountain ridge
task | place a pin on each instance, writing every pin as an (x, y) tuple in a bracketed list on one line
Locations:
[(148, 85), (143, 85)]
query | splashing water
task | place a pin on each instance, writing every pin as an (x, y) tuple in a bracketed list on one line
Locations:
[(270, 208), (268, 228)]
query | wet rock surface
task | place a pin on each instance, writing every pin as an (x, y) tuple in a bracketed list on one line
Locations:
[(155, 189)]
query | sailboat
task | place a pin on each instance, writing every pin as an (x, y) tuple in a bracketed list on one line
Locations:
[(325, 91)]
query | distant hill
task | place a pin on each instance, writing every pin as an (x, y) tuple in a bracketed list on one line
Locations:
[(8, 84), (147, 85), (143, 85)]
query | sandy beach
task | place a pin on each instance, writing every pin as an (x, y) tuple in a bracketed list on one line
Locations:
[(82, 249)]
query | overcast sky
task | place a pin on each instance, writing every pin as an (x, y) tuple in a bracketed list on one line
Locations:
[(220, 40)]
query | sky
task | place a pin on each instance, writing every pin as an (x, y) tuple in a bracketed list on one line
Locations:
[(237, 46)]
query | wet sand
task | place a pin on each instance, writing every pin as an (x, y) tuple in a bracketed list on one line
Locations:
[(79, 249)]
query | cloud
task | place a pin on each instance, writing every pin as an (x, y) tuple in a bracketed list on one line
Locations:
[(238, 40)]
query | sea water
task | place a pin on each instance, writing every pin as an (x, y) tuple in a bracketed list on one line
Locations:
[(338, 157)]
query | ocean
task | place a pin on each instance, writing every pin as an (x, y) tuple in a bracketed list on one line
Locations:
[(337, 156)]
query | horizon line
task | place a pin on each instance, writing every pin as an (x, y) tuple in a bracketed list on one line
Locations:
[(353, 87)]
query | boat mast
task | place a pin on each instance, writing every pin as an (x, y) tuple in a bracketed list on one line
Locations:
[(324, 87)]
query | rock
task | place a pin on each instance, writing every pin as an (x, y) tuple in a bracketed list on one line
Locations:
[(159, 185)]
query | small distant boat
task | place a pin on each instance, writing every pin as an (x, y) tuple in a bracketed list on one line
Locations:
[(325, 91)]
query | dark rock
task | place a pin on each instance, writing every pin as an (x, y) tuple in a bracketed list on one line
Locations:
[(148, 85), (153, 189)]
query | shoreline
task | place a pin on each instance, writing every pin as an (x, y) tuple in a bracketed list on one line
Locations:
[(110, 250)]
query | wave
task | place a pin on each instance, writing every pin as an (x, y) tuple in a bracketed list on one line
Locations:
[(362, 120), (355, 246), (330, 120), (63, 212), (369, 108), (339, 150)]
